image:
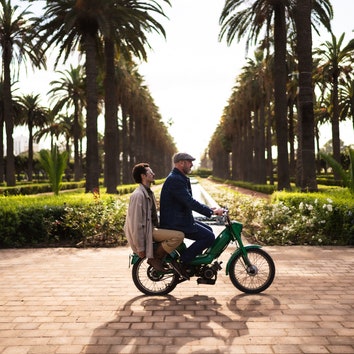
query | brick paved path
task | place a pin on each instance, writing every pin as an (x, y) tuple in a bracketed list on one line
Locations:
[(84, 301)]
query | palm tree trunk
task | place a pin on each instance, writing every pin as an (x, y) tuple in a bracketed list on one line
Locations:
[(111, 143), (335, 124), (256, 147), (76, 135), (2, 166), (269, 146), (30, 151), (306, 114), (125, 157), (262, 179), (291, 138), (280, 107), (317, 145), (132, 143), (9, 118), (249, 150), (92, 164)]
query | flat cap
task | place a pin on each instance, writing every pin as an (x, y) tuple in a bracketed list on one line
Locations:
[(180, 156)]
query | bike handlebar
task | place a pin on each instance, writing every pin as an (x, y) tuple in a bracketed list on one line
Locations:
[(224, 218)]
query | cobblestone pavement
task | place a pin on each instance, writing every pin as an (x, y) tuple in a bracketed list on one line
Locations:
[(84, 301)]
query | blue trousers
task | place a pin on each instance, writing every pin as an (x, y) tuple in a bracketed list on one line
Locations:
[(203, 238)]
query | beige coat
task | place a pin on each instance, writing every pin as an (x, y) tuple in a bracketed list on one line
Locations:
[(138, 226)]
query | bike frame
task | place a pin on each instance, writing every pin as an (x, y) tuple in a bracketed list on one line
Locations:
[(231, 233)]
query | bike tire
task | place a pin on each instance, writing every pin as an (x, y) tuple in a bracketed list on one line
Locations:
[(151, 282), (256, 279)]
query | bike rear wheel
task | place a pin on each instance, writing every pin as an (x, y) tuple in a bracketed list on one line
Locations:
[(255, 278), (152, 282)]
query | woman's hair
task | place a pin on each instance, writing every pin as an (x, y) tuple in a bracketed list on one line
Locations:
[(138, 170)]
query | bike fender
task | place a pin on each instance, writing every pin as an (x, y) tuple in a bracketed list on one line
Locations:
[(133, 258), (236, 253)]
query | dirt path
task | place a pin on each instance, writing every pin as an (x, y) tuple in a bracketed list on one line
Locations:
[(211, 186)]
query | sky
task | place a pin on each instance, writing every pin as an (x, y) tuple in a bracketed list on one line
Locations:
[(190, 74)]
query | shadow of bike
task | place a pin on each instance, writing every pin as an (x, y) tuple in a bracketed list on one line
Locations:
[(166, 324)]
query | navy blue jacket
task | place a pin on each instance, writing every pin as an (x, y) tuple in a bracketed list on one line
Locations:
[(177, 204)]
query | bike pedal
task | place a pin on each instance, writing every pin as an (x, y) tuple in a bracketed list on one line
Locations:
[(179, 270)]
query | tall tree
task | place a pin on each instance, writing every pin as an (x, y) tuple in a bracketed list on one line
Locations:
[(346, 100), (2, 166), (52, 127), (238, 19), (33, 115), (17, 44), (66, 24), (125, 36), (69, 92), (251, 19), (303, 10), (334, 62), (65, 122), (69, 25), (305, 99)]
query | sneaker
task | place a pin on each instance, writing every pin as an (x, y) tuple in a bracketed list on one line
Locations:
[(180, 268)]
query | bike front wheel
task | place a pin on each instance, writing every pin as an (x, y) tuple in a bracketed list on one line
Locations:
[(255, 277), (152, 282)]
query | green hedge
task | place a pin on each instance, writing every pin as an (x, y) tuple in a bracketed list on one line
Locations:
[(294, 218), (79, 219), (38, 188), (323, 218), (202, 172), (67, 220)]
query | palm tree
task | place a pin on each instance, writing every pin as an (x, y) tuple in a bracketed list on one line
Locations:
[(52, 127), (346, 100), (111, 133), (306, 156), (66, 124), (125, 36), (2, 167), (255, 78), (33, 115), (69, 91), (219, 149), (334, 62), (251, 19), (67, 24), (17, 43), (70, 25)]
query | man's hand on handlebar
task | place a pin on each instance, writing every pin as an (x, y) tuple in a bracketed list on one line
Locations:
[(218, 211)]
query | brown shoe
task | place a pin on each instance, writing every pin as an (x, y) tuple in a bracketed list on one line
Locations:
[(157, 264), (180, 268)]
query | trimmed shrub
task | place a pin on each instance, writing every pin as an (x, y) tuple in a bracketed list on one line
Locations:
[(324, 218), (64, 220)]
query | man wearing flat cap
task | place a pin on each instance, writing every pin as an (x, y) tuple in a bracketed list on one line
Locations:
[(176, 207)]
